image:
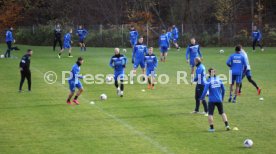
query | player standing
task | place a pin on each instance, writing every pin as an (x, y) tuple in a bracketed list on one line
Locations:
[(118, 63), (192, 52), (200, 79), (25, 70), (82, 33), (9, 41), (74, 82), (67, 44), (133, 36), (57, 36), (164, 44), (256, 37), (237, 65), (247, 73), (169, 35), (216, 95), (175, 37), (151, 65), (138, 56)]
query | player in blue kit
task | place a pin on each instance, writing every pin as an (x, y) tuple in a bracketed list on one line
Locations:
[(216, 95), (237, 65), (175, 37), (133, 36), (10, 40), (138, 56), (82, 33), (192, 52), (74, 82), (118, 63), (67, 44), (151, 65), (169, 35), (256, 38), (164, 44)]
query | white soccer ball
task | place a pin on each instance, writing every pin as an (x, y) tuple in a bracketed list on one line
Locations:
[(103, 97), (124, 50), (108, 78), (261, 99), (2, 56), (248, 143), (221, 51)]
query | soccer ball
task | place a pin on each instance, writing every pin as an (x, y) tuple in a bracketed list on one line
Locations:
[(248, 143), (103, 97), (124, 50), (2, 56), (108, 78), (221, 51)]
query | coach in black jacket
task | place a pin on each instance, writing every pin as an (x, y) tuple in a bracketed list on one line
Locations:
[(25, 69)]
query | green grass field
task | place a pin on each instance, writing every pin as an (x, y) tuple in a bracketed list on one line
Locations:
[(155, 121)]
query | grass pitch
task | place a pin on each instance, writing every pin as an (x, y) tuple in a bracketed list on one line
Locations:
[(155, 121)]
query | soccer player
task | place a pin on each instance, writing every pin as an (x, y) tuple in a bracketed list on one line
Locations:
[(74, 82), (164, 44), (57, 38), (200, 79), (256, 37), (169, 35), (25, 71), (216, 96), (82, 33), (192, 52), (67, 44), (151, 65), (118, 63), (133, 36), (138, 56), (247, 73), (175, 37), (9, 41), (237, 65)]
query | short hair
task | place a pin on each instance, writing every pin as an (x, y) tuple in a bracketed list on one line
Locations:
[(29, 50), (238, 48), (141, 37), (210, 70), (80, 59), (163, 31)]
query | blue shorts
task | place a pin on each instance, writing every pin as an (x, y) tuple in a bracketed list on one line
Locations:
[(236, 78), (150, 73), (73, 85), (138, 62), (175, 40), (119, 75), (163, 49), (81, 40), (192, 62), (66, 45), (247, 73)]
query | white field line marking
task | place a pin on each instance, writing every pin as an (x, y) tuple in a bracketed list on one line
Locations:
[(123, 123)]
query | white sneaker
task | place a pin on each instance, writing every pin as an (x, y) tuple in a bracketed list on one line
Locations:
[(59, 57), (118, 91), (121, 93), (194, 112), (262, 49)]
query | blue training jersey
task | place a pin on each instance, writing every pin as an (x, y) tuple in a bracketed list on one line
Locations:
[(164, 41), (82, 33), (133, 35), (9, 36), (193, 51), (169, 35), (237, 63), (118, 62), (75, 73), (256, 35), (67, 38), (216, 90), (139, 52), (151, 62), (200, 76), (175, 32)]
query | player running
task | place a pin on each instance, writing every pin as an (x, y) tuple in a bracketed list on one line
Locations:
[(192, 52), (67, 44), (133, 36), (256, 37), (138, 56), (247, 73), (164, 44), (118, 63), (216, 95), (175, 37), (151, 65), (57, 37), (200, 79), (82, 33), (9, 41), (74, 82), (237, 65)]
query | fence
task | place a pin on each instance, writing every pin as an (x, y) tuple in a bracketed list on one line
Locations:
[(117, 35)]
